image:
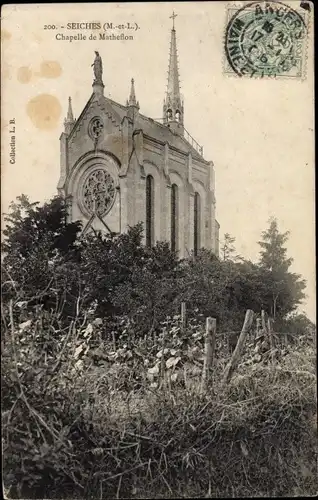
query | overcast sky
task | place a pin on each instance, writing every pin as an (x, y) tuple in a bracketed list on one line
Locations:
[(258, 132)]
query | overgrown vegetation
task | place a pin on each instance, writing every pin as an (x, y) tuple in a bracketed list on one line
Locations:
[(46, 262), (100, 380)]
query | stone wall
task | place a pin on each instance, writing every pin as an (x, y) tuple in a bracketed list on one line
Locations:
[(129, 167)]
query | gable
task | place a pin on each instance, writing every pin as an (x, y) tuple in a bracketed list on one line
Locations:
[(95, 107), (98, 127), (111, 115)]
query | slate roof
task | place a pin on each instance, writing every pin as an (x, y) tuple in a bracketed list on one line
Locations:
[(150, 127), (156, 130)]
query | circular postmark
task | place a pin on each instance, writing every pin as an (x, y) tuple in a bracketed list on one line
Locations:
[(265, 39)]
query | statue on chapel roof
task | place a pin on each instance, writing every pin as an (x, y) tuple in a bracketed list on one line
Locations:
[(98, 67)]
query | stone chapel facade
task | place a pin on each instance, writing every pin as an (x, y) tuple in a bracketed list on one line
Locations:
[(119, 167)]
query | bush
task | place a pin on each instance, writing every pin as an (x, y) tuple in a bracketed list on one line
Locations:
[(47, 262), (75, 425), (100, 382)]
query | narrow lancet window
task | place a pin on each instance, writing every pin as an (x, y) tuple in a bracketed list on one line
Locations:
[(149, 211), (174, 217), (197, 219)]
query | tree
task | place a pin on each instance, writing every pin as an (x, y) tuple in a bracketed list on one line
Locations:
[(208, 286), (273, 254), (282, 290), (151, 291), (29, 226), (39, 245), (228, 248), (107, 262), (298, 324)]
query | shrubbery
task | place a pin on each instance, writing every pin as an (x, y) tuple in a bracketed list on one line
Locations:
[(47, 262), (83, 417), (100, 382)]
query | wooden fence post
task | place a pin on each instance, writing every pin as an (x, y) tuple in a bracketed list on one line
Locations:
[(258, 326), (209, 348), (162, 367), (183, 316), (271, 338), (263, 321), (232, 364)]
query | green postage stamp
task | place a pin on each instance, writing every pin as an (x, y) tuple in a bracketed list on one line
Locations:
[(266, 39)]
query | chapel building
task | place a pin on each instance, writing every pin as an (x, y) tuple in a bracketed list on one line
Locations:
[(119, 167)]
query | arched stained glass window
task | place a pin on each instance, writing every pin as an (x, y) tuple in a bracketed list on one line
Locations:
[(149, 211), (197, 225), (174, 218)]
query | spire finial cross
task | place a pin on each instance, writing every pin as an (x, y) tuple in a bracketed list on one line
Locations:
[(173, 18)]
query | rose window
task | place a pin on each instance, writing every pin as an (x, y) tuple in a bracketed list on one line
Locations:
[(99, 192), (96, 128)]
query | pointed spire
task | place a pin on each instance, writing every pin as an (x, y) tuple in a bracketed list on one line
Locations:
[(173, 107), (173, 89), (70, 117), (69, 120), (132, 97), (132, 104)]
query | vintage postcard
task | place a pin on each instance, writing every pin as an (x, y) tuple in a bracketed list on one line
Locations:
[(158, 249)]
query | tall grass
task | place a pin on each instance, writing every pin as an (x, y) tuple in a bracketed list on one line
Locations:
[(82, 420)]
